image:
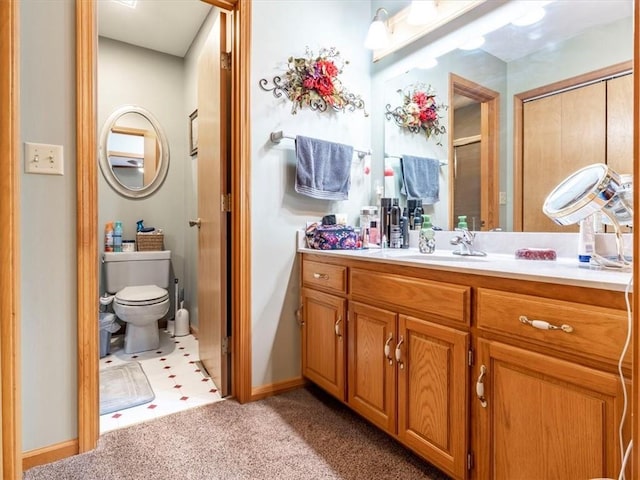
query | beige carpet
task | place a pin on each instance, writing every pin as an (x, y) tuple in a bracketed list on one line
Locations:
[(299, 435)]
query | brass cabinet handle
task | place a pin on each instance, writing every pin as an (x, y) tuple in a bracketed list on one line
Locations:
[(336, 327), (399, 353), (542, 325), (299, 316), (387, 349), (480, 386), (323, 276)]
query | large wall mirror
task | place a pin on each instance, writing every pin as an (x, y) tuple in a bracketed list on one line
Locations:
[(134, 152), (520, 149)]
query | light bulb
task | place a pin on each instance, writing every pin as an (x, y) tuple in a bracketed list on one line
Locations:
[(377, 37), (422, 12)]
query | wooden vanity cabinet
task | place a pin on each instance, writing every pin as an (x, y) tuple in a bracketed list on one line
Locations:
[(408, 374), (323, 322), (537, 416), (454, 373)]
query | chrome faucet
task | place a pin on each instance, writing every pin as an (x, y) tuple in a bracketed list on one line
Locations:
[(465, 243)]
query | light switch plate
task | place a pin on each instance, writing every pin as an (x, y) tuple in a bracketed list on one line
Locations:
[(503, 198), (43, 158)]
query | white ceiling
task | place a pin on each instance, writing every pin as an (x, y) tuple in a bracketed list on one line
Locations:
[(167, 26), (564, 19)]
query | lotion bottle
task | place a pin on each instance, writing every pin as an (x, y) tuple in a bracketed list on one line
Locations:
[(586, 240)]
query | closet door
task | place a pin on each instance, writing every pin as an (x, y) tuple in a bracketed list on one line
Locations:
[(620, 124), (562, 133)]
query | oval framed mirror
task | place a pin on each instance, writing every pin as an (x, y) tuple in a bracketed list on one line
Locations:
[(134, 152)]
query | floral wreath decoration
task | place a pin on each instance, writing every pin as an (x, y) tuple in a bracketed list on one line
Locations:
[(312, 81), (419, 112)]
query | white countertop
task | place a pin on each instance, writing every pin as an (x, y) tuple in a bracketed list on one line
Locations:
[(563, 271)]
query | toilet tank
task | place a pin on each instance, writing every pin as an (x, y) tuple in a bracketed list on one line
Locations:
[(124, 269)]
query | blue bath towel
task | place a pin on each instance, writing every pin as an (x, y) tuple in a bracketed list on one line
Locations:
[(323, 169), (420, 178)]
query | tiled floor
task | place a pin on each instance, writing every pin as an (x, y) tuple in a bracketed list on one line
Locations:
[(173, 374)]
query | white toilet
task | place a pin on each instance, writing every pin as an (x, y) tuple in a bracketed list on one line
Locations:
[(139, 281)]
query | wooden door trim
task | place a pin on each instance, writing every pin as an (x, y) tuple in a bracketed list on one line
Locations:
[(87, 221), (635, 394), (11, 441), (518, 125), (489, 152), (241, 203), (86, 181)]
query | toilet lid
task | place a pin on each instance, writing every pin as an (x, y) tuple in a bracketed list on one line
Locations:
[(142, 294)]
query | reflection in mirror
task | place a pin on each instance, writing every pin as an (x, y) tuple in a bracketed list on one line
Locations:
[(134, 153), (525, 59)]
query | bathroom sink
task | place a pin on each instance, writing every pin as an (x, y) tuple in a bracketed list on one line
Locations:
[(414, 256)]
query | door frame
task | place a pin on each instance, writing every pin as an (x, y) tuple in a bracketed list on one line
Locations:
[(10, 440), (86, 185), (489, 151)]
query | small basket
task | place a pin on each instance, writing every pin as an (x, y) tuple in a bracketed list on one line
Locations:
[(147, 242)]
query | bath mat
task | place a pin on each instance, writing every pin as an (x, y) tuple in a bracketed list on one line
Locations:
[(123, 386)]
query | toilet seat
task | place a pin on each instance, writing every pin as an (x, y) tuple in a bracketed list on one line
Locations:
[(141, 295)]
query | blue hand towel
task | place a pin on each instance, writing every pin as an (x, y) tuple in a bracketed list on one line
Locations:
[(420, 178), (323, 169)]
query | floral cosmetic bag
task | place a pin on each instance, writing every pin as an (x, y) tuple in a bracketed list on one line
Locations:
[(331, 237)]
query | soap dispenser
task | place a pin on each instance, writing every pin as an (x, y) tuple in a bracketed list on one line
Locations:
[(427, 240), (462, 221)]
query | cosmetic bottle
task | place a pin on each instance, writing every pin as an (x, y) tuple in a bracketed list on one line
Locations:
[(108, 237), (395, 229), (586, 240), (117, 237)]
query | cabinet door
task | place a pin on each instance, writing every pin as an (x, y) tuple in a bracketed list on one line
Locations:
[(323, 345), (372, 374), (544, 418), (432, 392)]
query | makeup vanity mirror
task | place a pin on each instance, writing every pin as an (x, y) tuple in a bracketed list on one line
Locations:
[(134, 152), (537, 102)]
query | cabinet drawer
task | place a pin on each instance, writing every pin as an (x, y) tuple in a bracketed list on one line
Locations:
[(445, 300), (597, 331), (328, 277)]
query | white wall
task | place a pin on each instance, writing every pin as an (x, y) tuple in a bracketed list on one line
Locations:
[(129, 75), (277, 211), (48, 226)]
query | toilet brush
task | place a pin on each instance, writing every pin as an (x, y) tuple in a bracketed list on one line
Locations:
[(175, 311)]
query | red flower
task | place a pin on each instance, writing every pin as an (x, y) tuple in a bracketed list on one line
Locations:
[(327, 67), (420, 98), (324, 86), (309, 82)]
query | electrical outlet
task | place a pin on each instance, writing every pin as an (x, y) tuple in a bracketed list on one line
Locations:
[(43, 158), (503, 198)]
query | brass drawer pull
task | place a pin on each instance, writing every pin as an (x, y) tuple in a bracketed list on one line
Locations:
[(542, 325), (336, 327), (480, 386), (399, 353), (387, 349), (323, 276)]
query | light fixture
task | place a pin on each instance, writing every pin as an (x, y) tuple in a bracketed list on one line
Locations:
[(532, 16), (422, 12), (378, 36), (472, 43)]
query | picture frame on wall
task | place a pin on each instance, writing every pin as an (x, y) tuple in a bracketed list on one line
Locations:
[(193, 133)]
